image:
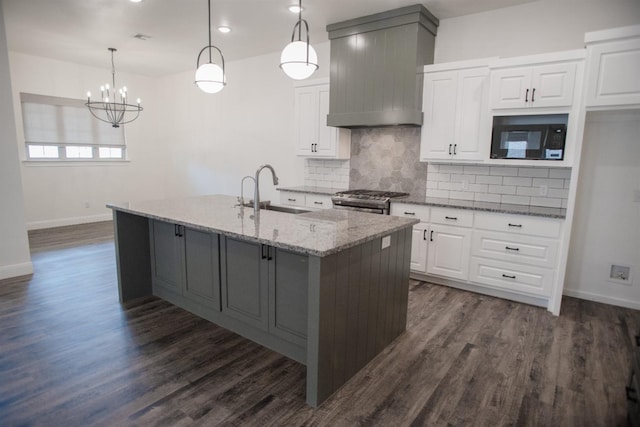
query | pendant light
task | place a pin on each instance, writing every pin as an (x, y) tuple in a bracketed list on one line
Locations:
[(210, 77), (299, 59), (110, 109)]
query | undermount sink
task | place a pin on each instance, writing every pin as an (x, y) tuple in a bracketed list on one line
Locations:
[(285, 209)]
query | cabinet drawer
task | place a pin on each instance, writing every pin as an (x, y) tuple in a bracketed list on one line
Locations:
[(515, 248), (292, 198), (519, 224), (318, 201), (512, 277), (410, 210), (457, 217)]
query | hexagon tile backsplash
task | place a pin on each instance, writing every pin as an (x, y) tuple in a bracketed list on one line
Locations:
[(387, 159)]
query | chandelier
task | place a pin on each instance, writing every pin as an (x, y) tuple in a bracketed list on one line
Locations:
[(299, 59), (113, 107), (210, 77)]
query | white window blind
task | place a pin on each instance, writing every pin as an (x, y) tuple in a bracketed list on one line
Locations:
[(67, 125)]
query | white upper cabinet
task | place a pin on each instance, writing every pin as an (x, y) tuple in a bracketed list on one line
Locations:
[(549, 85), (613, 68), (314, 138), (456, 116)]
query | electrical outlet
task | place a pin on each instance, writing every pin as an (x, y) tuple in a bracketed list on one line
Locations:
[(386, 242), (543, 190)]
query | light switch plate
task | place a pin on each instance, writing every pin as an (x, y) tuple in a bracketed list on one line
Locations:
[(386, 242)]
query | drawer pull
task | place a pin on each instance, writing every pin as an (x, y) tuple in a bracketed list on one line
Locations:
[(515, 225), (508, 277), (511, 249), (410, 213), (317, 203), (632, 395), (431, 236), (424, 237), (452, 218), (292, 200)]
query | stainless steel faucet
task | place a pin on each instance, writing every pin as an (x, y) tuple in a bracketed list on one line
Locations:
[(256, 195), (241, 198)]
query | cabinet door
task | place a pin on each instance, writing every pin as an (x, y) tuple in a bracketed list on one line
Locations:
[(245, 277), (449, 252), (167, 256), (439, 107), (288, 288), (419, 245), (472, 115), (613, 74), (327, 136), (511, 87), (202, 264), (552, 85), (306, 114)]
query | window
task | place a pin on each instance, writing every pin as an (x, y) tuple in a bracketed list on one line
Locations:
[(63, 129)]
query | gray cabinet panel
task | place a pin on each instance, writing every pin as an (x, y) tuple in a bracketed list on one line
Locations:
[(245, 282), (167, 256), (288, 287), (202, 268)]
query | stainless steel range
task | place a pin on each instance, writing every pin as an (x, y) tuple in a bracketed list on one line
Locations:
[(366, 200)]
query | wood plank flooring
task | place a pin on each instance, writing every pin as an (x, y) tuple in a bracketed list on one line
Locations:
[(71, 355)]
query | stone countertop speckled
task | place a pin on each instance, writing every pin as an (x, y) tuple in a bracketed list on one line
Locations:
[(318, 233), (312, 190), (485, 206)]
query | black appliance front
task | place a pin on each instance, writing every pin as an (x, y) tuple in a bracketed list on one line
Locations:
[(527, 141)]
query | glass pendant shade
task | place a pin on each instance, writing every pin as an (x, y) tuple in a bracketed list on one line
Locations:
[(210, 78), (294, 63)]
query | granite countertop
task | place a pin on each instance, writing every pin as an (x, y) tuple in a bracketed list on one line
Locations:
[(485, 206), (318, 233), (313, 190)]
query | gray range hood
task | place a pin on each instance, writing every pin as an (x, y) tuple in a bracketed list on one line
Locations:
[(376, 64)]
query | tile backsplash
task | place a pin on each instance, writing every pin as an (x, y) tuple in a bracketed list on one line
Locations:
[(326, 173), (387, 159), (536, 186)]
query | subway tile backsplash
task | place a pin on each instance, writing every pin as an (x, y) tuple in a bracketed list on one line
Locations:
[(537, 186), (326, 173)]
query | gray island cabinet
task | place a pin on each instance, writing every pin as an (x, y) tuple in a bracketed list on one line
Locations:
[(328, 289)]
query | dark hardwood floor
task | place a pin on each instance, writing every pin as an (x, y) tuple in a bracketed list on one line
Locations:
[(71, 355)]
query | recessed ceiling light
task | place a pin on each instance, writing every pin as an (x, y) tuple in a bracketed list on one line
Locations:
[(135, 1), (295, 9), (224, 29)]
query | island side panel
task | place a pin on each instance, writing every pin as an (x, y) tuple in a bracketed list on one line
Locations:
[(133, 259), (404, 261), (344, 326)]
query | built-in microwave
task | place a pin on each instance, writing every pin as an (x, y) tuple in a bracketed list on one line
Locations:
[(533, 137)]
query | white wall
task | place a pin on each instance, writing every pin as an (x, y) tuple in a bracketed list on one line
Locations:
[(606, 226), (59, 194), (214, 140), (14, 246), (532, 28)]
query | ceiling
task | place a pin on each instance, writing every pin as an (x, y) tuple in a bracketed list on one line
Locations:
[(80, 31)]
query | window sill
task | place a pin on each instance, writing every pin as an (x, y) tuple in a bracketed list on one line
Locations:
[(74, 163)]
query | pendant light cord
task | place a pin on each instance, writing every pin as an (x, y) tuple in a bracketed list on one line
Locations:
[(210, 61), (300, 20), (113, 73)]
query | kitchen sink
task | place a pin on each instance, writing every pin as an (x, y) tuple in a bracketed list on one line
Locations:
[(285, 209)]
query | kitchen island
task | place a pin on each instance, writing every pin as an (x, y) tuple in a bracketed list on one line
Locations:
[(327, 288)]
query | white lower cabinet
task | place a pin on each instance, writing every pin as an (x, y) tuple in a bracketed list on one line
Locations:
[(419, 246), (449, 250), (512, 277), (504, 252)]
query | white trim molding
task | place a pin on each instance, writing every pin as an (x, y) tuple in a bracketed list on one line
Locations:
[(16, 270), (602, 299)]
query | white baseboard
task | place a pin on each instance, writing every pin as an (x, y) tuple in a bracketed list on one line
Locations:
[(602, 298), (16, 270), (37, 225)]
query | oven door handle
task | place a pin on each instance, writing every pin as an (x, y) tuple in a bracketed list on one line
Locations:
[(359, 209)]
